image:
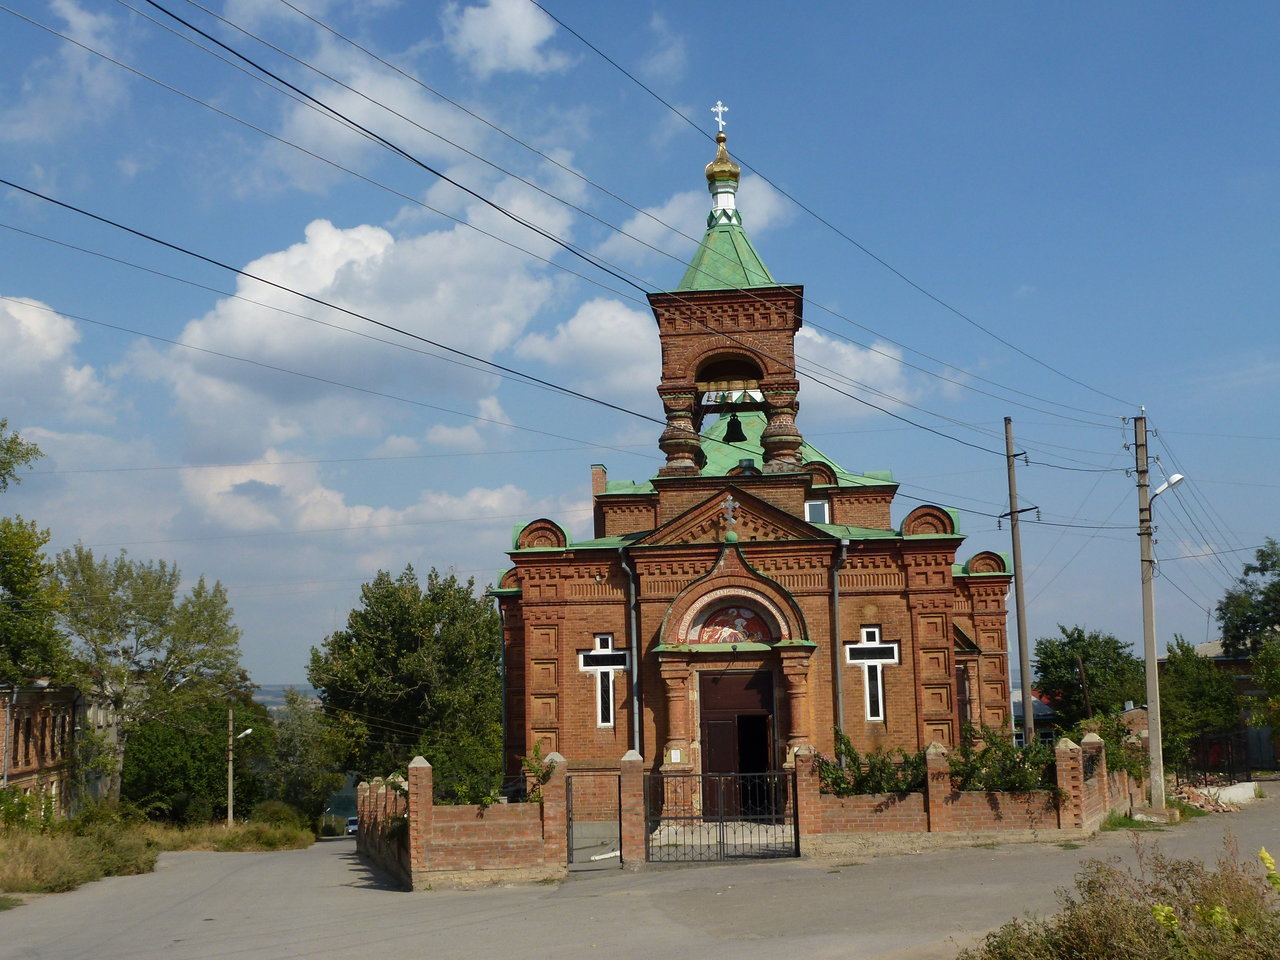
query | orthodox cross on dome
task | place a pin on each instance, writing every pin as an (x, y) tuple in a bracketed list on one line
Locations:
[(730, 506), (720, 110)]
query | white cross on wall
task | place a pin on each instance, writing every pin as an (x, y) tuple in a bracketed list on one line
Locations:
[(730, 505)]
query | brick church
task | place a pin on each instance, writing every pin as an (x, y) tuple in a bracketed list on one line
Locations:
[(753, 596)]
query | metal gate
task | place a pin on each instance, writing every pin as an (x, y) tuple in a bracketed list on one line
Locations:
[(592, 819), (720, 816)]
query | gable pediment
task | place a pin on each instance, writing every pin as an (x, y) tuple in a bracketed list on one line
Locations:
[(754, 520)]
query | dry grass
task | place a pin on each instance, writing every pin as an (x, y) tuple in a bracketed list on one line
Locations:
[(76, 853), (32, 862), (241, 837)]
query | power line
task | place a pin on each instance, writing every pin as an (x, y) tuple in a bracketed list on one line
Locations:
[(338, 115), (881, 261), (645, 213)]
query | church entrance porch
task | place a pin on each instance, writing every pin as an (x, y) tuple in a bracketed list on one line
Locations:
[(737, 739), (739, 805)]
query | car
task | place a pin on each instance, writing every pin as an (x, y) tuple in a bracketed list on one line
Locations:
[(353, 826)]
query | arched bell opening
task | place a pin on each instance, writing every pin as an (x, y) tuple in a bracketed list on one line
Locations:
[(727, 384)]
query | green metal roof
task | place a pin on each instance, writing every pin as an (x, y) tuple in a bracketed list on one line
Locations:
[(722, 458), (726, 260)]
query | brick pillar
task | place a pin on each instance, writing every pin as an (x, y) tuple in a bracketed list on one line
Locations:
[(420, 809), (555, 812), (1070, 763), (362, 815), (631, 812), (781, 438), (1093, 746), (795, 670), (808, 792), (937, 788)]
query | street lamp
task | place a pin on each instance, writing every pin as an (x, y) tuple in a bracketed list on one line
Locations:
[(232, 737), (1145, 529)]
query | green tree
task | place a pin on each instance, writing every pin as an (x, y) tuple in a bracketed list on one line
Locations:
[(178, 765), (310, 755), (31, 645), (1266, 677), (1195, 698), (1249, 613), (418, 670), (14, 453), (1094, 664), (140, 651)]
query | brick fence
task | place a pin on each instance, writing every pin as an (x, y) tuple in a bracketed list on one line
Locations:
[(1079, 803), (421, 844)]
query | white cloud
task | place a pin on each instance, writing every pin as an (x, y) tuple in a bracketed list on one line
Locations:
[(72, 89), (842, 362), (676, 226), (611, 349), (39, 368), (452, 286), (667, 61), (502, 36)]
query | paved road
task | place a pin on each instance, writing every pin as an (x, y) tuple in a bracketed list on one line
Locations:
[(323, 903)]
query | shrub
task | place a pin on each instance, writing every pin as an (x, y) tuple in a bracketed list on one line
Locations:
[(537, 772), (1164, 909), (1125, 751), (881, 771), (278, 814), (999, 764)]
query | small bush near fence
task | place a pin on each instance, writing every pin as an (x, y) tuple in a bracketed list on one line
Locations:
[(881, 771), (1125, 750), (1165, 909), (999, 764)]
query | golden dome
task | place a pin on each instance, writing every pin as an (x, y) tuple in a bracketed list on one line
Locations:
[(722, 167)]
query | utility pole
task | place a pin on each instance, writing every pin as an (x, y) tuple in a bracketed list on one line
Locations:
[(231, 746), (1024, 654), (232, 737), (1145, 530)]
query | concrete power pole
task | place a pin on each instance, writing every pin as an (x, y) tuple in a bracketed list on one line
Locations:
[(1154, 747), (1024, 654)]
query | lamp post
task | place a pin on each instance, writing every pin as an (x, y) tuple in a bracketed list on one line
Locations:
[(1155, 750), (232, 737)]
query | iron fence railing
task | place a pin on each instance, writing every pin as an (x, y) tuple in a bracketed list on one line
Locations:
[(721, 816)]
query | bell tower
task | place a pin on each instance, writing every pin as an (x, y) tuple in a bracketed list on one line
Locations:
[(728, 338)]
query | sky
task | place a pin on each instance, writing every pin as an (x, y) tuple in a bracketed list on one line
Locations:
[(1057, 213)]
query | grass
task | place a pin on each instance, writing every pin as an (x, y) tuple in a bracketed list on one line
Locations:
[(8, 903), (1120, 821), (77, 852), (1185, 810), (1069, 845), (1164, 909)]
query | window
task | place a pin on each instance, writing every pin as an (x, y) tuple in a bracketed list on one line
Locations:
[(872, 654), (602, 661), (817, 511)]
